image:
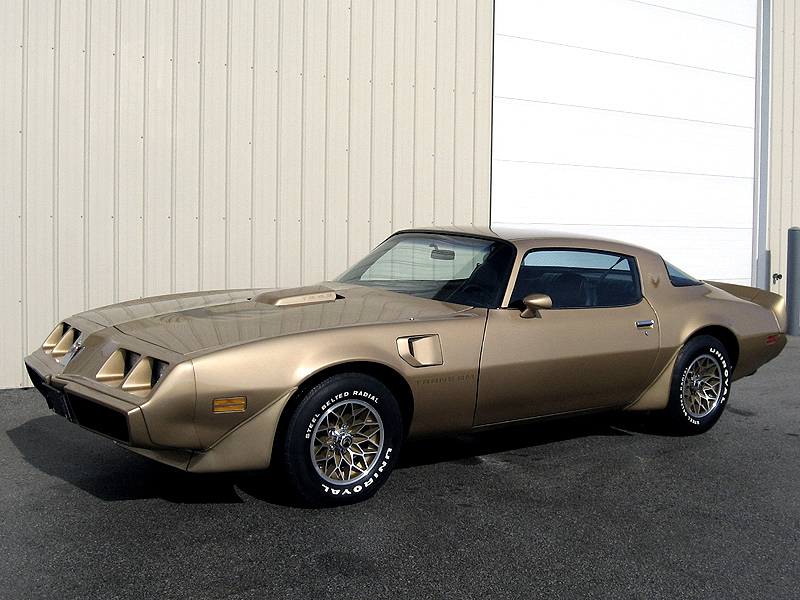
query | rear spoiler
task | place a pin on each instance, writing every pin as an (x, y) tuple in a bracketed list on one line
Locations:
[(769, 300)]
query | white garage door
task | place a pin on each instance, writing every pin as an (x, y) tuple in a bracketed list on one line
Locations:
[(632, 120)]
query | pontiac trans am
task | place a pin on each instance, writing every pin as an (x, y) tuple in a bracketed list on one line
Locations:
[(435, 332)]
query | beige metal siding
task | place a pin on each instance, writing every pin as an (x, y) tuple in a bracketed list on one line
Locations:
[(173, 145), (784, 159), (13, 224)]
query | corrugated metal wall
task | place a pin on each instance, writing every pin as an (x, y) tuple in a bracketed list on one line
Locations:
[(784, 159), (159, 146)]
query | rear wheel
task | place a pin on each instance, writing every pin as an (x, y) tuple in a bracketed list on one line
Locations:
[(342, 440), (700, 385)]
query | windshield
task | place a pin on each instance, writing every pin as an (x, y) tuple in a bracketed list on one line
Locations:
[(450, 268)]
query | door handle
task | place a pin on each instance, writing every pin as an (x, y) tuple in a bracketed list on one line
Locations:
[(645, 324)]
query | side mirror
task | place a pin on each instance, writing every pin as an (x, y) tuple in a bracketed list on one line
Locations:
[(534, 303)]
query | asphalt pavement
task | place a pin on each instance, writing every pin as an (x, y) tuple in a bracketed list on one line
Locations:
[(594, 507)]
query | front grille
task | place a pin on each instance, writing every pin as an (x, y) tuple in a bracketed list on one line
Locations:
[(100, 418), (37, 380)]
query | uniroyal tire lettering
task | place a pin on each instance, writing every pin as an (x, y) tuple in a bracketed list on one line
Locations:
[(699, 387), (725, 385), (342, 440), (360, 487)]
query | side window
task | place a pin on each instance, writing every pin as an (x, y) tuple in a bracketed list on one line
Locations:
[(578, 278)]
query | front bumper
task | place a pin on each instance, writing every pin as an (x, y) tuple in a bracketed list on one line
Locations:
[(117, 386), (161, 425), (102, 413)]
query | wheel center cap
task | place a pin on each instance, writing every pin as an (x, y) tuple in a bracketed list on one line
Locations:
[(340, 439)]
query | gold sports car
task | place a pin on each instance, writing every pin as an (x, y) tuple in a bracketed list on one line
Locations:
[(435, 332)]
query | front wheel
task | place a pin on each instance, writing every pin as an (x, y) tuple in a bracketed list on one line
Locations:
[(701, 383), (342, 440)]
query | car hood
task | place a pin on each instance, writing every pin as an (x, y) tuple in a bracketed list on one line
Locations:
[(196, 323)]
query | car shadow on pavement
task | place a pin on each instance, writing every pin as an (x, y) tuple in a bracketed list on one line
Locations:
[(109, 473), (98, 467), (468, 447)]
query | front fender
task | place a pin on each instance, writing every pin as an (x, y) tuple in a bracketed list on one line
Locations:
[(262, 371)]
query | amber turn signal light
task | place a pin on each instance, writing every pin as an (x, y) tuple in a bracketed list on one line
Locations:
[(224, 405)]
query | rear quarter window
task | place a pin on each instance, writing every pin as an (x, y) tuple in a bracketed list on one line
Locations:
[(680, 279)]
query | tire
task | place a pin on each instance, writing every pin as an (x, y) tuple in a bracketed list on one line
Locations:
[(342, 440), (701, 383)]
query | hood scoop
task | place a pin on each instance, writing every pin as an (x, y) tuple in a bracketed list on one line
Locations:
[(313, 294)]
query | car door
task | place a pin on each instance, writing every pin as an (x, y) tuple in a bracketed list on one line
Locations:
[(596, 346)]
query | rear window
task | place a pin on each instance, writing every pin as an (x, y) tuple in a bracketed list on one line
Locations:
[(680, 279)]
